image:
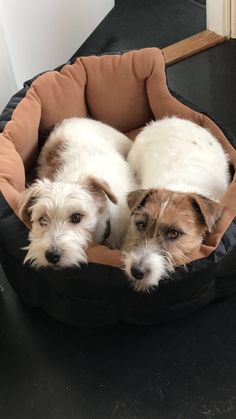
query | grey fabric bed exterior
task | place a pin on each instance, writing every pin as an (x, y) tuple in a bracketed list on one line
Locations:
[(99, 294)]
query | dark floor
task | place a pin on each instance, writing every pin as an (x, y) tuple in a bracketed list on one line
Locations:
[(208, 79), (146, 23), (183, 370)]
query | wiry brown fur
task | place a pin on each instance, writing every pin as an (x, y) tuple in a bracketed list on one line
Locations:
[(52, 159), (151, 249), (164, 210)]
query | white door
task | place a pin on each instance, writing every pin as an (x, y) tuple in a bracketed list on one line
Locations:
[(221, 17)]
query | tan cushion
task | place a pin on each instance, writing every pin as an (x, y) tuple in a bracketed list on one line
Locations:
[(125, 91)]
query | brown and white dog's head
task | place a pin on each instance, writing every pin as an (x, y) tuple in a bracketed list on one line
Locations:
[(63, 219), (166, 227)]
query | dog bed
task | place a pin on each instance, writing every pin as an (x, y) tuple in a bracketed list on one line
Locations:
[(125, 91)]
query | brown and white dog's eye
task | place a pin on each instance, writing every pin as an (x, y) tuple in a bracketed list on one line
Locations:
[(75, 218), (173, 234), (42, 221), (141, 226)]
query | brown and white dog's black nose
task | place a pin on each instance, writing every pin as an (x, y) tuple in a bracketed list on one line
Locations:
[(137, 272), (53, 256)]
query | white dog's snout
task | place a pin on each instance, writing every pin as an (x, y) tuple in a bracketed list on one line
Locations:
[(145, 267), (53, 255), (137, 272)]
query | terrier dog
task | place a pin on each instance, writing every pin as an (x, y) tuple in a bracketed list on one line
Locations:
[(80, 194), (182, 172)]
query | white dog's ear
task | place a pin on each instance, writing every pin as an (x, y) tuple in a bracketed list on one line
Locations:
[(137, 199), (27, 200), (100, 187), (208, 210)]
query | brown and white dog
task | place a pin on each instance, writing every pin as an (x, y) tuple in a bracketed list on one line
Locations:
[(80, 195), (182, 172)]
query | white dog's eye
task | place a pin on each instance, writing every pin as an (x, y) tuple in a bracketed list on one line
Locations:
[(42, 221), (141, 225), (173, 234), (75, 218)]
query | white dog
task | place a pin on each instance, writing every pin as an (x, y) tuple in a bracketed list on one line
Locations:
[(182, 172), (81, 194)]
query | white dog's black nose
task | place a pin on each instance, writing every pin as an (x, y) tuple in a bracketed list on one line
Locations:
[(137, 272), (53, 256)]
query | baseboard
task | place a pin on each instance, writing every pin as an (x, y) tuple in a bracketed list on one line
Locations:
[(190, 46)]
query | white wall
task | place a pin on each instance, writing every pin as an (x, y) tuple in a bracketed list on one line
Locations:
[(7, 81), (42, 34)]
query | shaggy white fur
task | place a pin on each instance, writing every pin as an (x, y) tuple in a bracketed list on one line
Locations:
[(88, 190), (179, 155), (176, 155)]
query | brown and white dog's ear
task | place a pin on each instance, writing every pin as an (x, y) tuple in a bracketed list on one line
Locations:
[(100, 187), (136, 199), (27, 200), (209, 211)]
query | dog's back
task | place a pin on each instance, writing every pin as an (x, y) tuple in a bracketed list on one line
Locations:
[(179, 155), (81, 148), (73, 135)]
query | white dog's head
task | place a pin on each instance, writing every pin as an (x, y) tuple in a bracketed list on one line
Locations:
[(166, 227), (64, 218)]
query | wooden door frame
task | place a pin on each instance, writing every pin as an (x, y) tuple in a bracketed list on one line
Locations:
[(218, 16), (220, 25), (233, 19)]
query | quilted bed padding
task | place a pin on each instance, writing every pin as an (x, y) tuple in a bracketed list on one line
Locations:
[(125, 91)]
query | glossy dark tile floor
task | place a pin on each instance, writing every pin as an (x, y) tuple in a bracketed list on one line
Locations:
[(208, 79), (146, 23), (183, 370)]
